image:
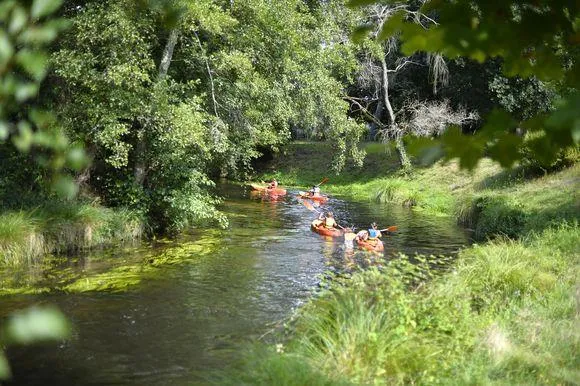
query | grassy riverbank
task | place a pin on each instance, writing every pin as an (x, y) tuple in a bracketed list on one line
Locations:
[(490, 201), (506, 312), (28, 235)]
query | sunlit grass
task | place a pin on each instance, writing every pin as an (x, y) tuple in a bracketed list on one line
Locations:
[(20, 238), (29, 235), (505, 314)]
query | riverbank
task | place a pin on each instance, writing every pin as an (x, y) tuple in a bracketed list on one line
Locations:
[(489, 200), (29, 235), (506, 312)]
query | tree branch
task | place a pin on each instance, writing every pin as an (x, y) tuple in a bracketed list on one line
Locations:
[(366, 113), (209, 73)]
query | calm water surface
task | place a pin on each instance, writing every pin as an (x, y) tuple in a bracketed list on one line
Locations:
[(193, 317)]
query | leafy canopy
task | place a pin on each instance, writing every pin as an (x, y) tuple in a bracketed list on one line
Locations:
[(538, 38)]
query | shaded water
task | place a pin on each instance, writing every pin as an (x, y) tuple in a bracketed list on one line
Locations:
[(178, 322)]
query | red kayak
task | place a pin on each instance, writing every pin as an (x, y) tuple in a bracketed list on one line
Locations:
[(318, 227), (265, 190), (370, 247), (306, 195)]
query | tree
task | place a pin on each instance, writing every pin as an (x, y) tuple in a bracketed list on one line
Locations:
[(546, 47), (391, 63), (28, 132)]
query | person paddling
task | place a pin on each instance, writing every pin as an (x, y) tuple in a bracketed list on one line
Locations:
[(273, 184), (374, 234), (328, 220), (315, 191), (362, 236)]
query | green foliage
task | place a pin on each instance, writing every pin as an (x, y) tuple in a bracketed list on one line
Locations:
[(35, 324), (238, 82), (545, 48), (24, 33), (271, 366)]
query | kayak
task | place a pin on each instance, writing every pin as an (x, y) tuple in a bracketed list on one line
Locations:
[(265, 190), (369, 247), (318, 227), (306, 195)]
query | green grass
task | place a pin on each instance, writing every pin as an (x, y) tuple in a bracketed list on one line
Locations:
[(29, 235), (491, 201), (20, 238), (506, 312)]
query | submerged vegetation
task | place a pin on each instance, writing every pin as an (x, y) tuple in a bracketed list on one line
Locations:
[(139, 264)]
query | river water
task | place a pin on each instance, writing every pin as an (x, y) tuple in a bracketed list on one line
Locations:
[(178, 323)]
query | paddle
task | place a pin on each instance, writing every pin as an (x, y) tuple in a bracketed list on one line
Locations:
[(309, 205), (324, 180), (392, 228)]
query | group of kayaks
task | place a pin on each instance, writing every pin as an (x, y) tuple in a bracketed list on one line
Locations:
[(318, 225)]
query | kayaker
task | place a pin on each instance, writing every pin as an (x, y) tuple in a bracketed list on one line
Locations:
[(374, 234), (328, 220), (315, 191), (349, 237), (273, 184), (362, 236)]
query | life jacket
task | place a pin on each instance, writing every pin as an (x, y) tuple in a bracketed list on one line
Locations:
[(349, 236), (373, 237), (329, 222)]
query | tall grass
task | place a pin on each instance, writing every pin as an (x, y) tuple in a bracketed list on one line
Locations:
[(506, 314), (517, 209), (65, 227), (20, 239)]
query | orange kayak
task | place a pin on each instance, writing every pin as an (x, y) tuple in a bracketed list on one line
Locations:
[(306, 195), (370, 247), (265, 190), (319, 228)]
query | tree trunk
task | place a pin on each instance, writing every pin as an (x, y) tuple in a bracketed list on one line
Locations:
[(377, 114), (140, 169), (209, 74), (167, 54), (397, 134)]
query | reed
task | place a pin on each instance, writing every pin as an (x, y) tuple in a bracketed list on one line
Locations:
[(26, 236)]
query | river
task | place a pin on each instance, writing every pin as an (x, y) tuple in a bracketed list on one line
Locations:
[(179, 322)]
